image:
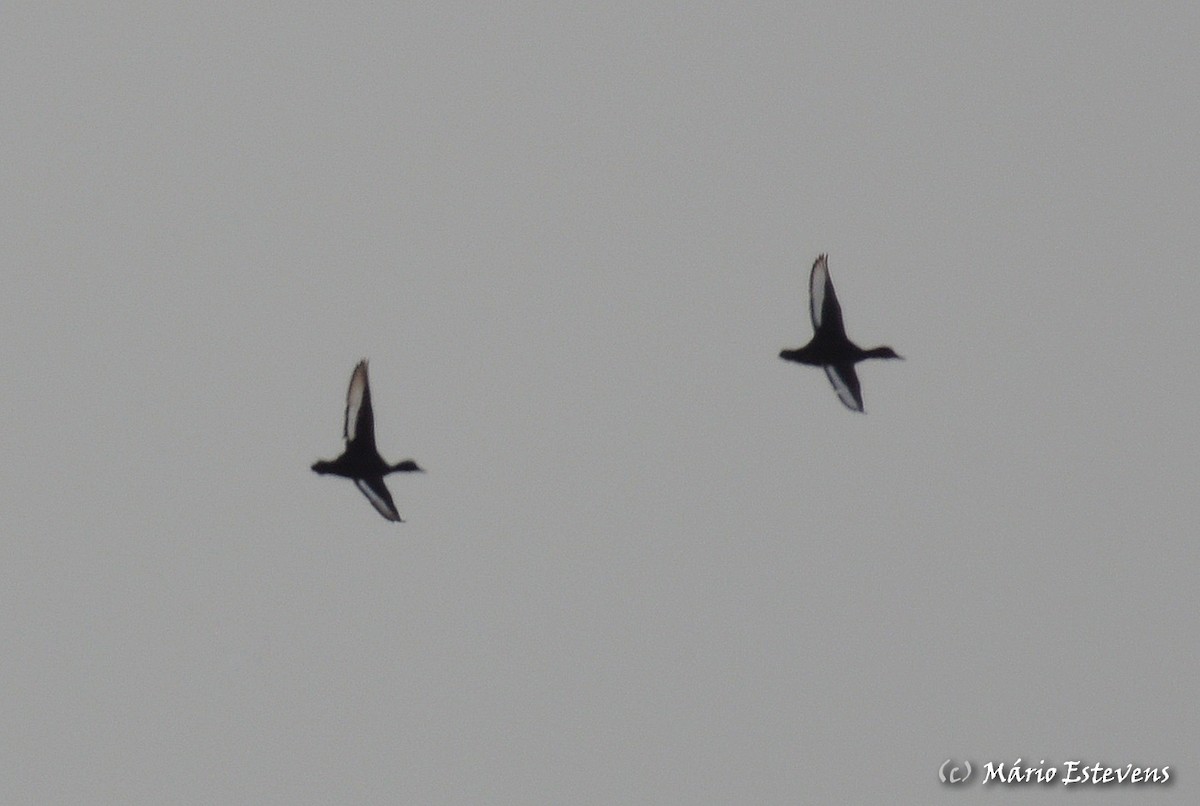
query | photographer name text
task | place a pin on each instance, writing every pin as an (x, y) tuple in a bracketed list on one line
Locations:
[(1073, 773)]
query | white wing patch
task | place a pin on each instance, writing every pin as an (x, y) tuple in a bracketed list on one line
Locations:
[(354, 398), (844, 391), (385, 508), (816, 290)]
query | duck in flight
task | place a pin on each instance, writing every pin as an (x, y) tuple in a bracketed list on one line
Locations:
[(829, 348), (361, 462)]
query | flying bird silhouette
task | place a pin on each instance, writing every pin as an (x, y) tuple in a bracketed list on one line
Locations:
[(829, 348), (361, 462)]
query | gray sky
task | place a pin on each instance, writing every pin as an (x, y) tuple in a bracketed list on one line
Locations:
[(649, 562)]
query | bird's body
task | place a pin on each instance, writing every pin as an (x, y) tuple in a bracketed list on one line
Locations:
[(829, 348), (361, 462)]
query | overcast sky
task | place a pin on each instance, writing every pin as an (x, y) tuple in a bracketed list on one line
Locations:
[(649, 562)]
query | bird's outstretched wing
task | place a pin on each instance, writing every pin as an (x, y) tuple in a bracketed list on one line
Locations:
[(377, 493), (845, 383), (359, 426), (823, 303)]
